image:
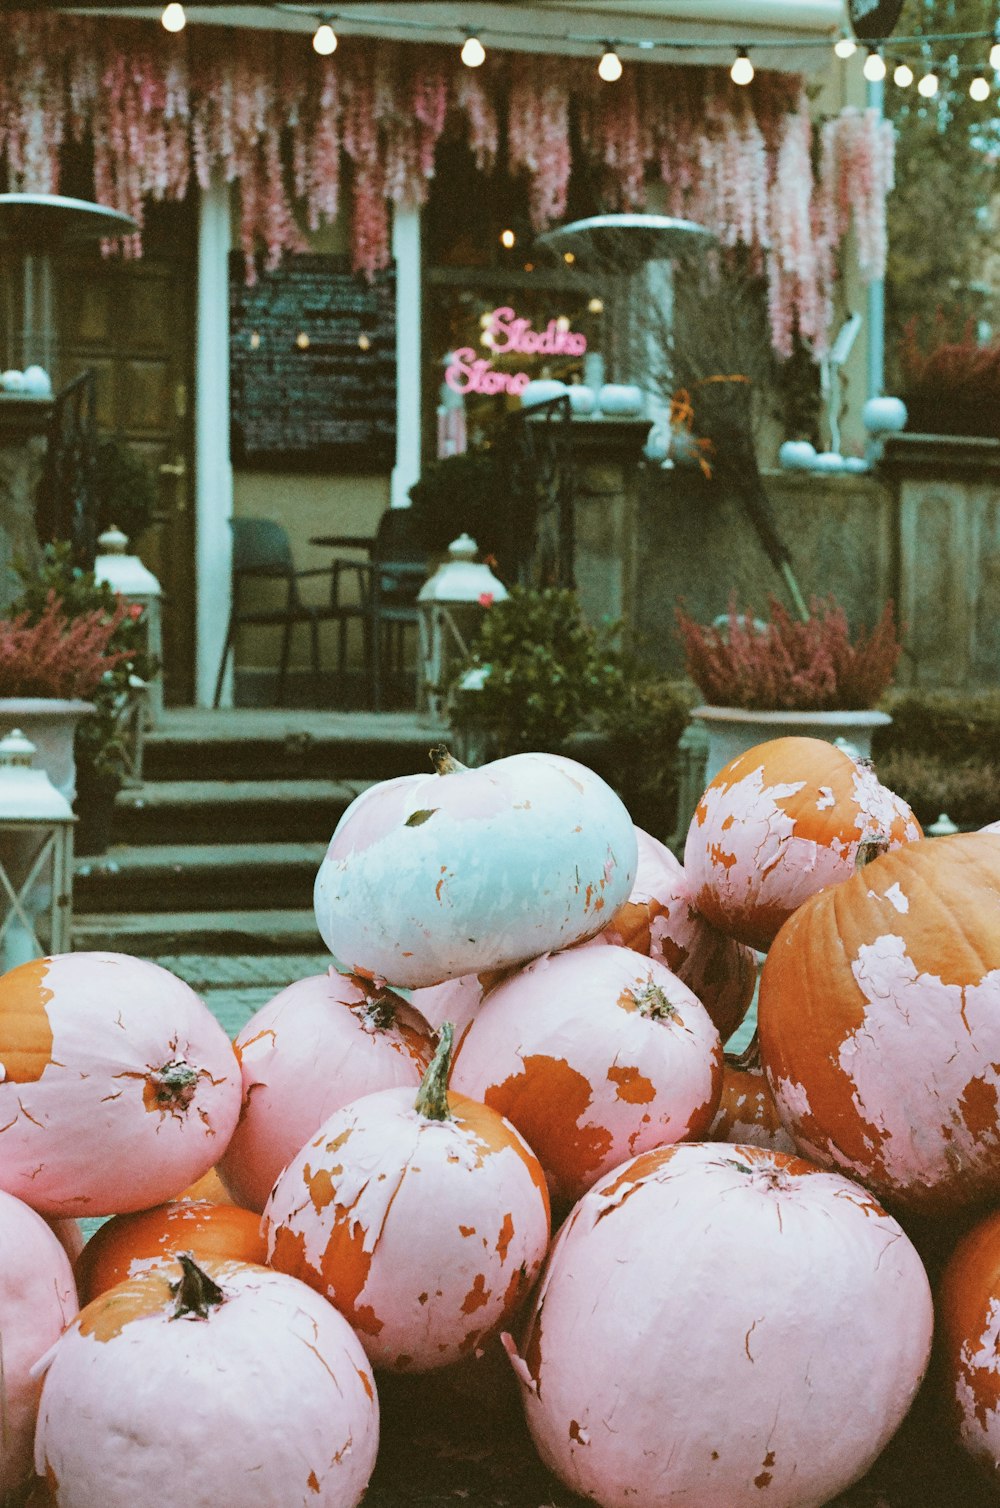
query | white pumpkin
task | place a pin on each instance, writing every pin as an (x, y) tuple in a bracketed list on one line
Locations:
[(429, 877)]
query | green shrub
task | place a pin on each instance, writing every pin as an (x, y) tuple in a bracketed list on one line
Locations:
[(547, 672), (947, 724), (458, 495), (124, 488), (968, 792)]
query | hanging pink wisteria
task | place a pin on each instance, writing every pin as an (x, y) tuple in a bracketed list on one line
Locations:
[(306, 138)]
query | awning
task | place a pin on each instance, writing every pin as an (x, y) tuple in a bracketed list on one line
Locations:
[(788, 35)]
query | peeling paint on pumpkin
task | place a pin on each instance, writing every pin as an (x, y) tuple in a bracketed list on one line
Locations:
[(25, 1028), (407, 1283), (565, 1050), (803, 1426)]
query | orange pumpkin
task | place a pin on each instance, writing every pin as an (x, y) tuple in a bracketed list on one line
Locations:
[(968, 1330), (747, 1112), (208, 1188), (879, 1023), (778, 823), (128, 1244)]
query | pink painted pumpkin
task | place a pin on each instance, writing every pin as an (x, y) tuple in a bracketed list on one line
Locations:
[(659, 919), (217, 1384), (119, 1086), (593, 1054), (968, 1315), (455, 1000), (722, 1325), (428, 877), (37, 1299), (424, 1221), (319, 1043), (780, 822), (879, 1024)]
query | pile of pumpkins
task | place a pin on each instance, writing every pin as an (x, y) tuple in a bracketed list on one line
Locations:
[(523, 1034)]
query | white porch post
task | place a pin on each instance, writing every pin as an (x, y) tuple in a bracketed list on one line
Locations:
[(406, 251), (213, 487)]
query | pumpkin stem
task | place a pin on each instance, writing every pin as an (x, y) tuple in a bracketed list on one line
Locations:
[(652, 1002), (444, 760), (171, 1087), (432, 1096), (195, 1291), (379, 1012), (870, 848), (749, 1057)]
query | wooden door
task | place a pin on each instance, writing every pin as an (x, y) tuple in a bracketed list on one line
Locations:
[(132, 324)]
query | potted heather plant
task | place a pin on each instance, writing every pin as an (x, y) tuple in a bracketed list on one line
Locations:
[(52, 665), (952, 387), (781, 677)]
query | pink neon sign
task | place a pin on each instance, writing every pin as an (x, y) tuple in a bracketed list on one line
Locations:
[(510, 334)]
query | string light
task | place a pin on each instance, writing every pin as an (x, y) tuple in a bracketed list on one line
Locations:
[(324, 39), (742, 69), (902, 75), (995, 57), (173, 18), (845, 47), (928, 85), (507, 238), (473, 52), (610, 66), (979, 89), (874, 69)]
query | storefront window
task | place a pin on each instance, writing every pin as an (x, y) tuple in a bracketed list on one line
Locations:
[(498, 313)]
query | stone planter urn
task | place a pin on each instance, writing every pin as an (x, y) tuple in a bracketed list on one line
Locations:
[(731, 730), (50, 723)]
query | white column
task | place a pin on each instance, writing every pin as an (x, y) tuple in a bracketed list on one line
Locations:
[(406, 251), (213, 488)]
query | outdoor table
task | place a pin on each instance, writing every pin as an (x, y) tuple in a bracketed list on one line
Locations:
[(389, 576)]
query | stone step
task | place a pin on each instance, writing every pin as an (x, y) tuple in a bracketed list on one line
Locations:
[(247, 743), (227, 811), (191, 876), (159, 934)]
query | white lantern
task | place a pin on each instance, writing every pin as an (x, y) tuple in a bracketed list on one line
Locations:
[(452, 603), (36, 858), (126, 575)]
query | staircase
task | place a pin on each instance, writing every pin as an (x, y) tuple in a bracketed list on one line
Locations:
[(213, 855)]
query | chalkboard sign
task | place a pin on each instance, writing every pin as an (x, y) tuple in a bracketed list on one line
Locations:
[(312, 350)]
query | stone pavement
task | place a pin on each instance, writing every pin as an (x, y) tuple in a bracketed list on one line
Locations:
[(234, 987)]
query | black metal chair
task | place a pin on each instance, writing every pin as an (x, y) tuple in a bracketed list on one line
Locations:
[(262, 552), (397, 570)]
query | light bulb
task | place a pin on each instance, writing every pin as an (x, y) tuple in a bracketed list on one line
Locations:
[(324, 39), (610, 66), (995, 57), (742, 70), (979, 90), (173, 17), (874, 69), (928, 85), (507, 238), (902, 75), (845, 47), (473, 52)]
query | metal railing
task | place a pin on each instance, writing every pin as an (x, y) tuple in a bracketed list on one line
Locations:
[(66, 507), (539, 476)]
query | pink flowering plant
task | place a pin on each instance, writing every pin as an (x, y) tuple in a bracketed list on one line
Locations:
[(69, 635), (787, 665), (55, 655)]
